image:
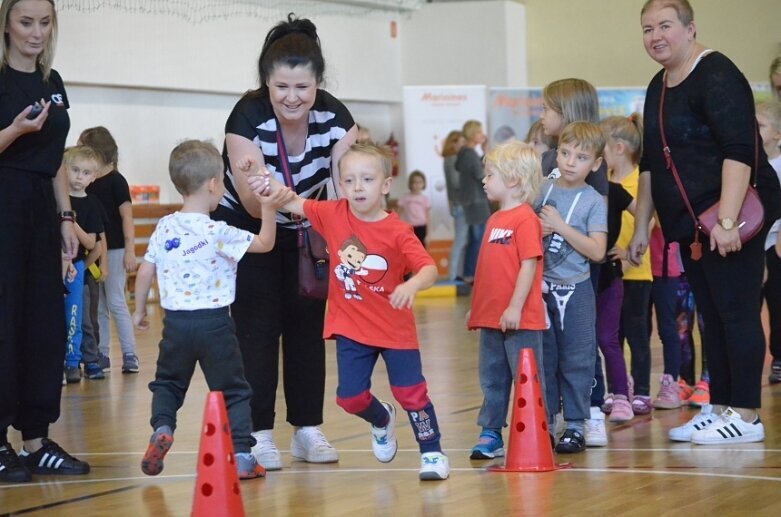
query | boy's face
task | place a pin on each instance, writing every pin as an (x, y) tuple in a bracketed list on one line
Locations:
[(364, 184), (81, 172), (575, 163), (494, 185), (771, 137)]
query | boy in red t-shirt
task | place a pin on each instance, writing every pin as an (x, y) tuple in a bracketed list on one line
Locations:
[(507, 295), (369, 302)]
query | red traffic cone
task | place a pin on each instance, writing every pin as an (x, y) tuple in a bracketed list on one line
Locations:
[(528, 447), (217, 481)]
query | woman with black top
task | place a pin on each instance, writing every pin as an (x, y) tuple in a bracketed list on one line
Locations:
[(709, 126), (316, 130), (33, 189)]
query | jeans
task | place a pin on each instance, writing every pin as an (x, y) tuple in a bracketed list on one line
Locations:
[(458, 249), (112, 301), (476, 232), (664, 297), (498, 365), (634, 326)]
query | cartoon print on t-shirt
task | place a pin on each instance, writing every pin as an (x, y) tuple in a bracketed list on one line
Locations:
[(351, 254)]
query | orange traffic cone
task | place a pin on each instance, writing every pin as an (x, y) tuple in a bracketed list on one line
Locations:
[(217, 481), (528, 447)]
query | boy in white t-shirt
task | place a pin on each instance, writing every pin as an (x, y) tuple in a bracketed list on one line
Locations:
[(195, 259)]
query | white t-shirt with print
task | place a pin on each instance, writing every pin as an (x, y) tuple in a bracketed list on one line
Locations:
[(196, 259)]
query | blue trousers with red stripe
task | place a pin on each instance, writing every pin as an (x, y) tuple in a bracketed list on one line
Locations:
[(355, 362)]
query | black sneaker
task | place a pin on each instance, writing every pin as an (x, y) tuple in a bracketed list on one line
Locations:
[(11, 468), (570, 442), (52, 459), (775, 372), (72, 374)]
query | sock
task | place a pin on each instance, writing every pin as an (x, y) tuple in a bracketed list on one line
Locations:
[(165, 429), (576, 425), (375, 414), (424, 424)]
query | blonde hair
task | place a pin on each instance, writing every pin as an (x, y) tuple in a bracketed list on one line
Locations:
[(537, 131), (573, 99), (471, 127), (627, 129), (451, 143), (681, 7), (80, 152), (772, 110), (369, 149), (192, 163), (516, 162), (586, 135), (775, 68), (46, 57)]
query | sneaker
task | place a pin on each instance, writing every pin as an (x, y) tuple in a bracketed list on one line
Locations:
[(434, 466), (104, 362), (730, 428), (641, 405), (607, 406), (72, 374), (775, 372), (596, 435), (622, 410), (159, 443), (489, 446), (701, 420), (11, 468), (247, 466), (129, 363), (52, 459), (384, 443), (684, 391), (701, 395), (309, 444), (265, 450), (668, 397), (93, 371), (571, 442)]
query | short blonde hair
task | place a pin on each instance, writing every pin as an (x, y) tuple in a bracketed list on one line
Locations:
[(574, 99), (772, 110), (585, 135), (80, 152), (516, 162), (681, 7), (45, 58), (192, 163), (471, 127), (380, 154), (627, 129)]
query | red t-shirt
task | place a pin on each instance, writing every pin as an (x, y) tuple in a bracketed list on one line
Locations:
[(367, 261), (511, 236)]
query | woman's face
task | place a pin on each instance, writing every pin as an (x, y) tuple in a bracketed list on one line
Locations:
[(665, 38), (29, 28), (292, 92), (775, 85)]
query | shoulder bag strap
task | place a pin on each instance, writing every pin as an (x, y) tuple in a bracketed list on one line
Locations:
[(288, 176)]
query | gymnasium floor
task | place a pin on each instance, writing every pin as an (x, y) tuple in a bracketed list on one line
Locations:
[(639, 472)]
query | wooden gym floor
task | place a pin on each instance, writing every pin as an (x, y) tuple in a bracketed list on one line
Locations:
[(639, 472)]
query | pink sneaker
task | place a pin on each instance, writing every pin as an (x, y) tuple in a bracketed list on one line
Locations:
[(622, 410), (641, 405), (607, 406), (668, 397)]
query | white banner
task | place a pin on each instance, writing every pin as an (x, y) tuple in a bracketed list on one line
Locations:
[(430, 113)]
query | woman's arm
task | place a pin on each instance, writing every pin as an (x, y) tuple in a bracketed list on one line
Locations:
[(70, 243), (241, 148), (337, 152), (129, 229), (734, 184)]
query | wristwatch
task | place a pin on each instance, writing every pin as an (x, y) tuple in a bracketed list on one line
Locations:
[(68, 215), (727, 223)]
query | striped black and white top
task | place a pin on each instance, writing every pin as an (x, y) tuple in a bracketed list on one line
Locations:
[(253, 118)]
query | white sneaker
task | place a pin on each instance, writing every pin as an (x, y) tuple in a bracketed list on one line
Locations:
[(596, 435), (265, 450), (701, 420), (309, 444), (434, 466), (730, 428), (384, 443)]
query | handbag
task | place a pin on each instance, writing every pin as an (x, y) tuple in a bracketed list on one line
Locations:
[(312, 250), (752, 214)]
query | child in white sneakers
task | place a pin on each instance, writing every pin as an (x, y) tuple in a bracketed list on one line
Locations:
[(195, 259), (370, 304)]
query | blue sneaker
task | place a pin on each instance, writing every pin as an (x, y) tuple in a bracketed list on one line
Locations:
[(489, 446), (93, 371)]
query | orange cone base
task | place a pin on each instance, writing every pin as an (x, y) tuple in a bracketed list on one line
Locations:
[(542, 468)]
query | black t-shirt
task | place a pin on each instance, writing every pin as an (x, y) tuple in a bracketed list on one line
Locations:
[(112, 190), (39, 152), (597, 179), (618, 200), (88, 217), (708, 118)]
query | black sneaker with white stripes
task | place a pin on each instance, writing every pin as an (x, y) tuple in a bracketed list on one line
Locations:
[(11, 469), (52, 459)]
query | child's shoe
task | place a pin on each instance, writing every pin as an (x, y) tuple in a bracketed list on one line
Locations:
[(571, 442), (309, 444), (11, 468), (52, 459), (641, 405), (434, 466), (247, 466), (104, 362), (622, 411), (775, 372), (129, 363), (265, 450), (72, 374), (701, 395), (684, 391), (384, 443), (489, 446), (607, 406), (668, 397), (729, 428), (159, 443), (595, 432), (93, 371), (683, 433)]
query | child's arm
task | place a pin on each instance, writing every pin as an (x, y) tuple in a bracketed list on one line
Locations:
[(103, 258), (144, 277), (511, 317), (266, 188), (129, 229), (404, 294), (591, 246), (264, 241), (85, 239)]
